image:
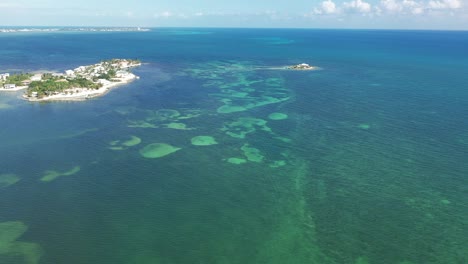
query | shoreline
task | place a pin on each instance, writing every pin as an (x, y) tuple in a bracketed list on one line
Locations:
[(18, 88), (79, 84), (83, 93)]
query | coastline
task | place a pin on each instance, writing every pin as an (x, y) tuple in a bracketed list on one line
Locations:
[(82, 83), (18, 88), (83, 93)]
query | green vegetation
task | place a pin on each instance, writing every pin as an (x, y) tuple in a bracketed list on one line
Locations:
[(18, 79), (111, 73), (50, 76), (82, 77), (52, 85), (112, 61)]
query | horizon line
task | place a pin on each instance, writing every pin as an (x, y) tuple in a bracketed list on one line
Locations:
[(232, 27)]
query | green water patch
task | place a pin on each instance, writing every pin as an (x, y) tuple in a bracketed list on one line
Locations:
[(124, 144), (177, 126), (364, 126), (167, 114), (278, 163), (252, 154), (189, 114), (203, 141), (8, 179), (445, 201), (240, 87), (249, 103), (51, 175), (157, 150), (227, 109), (168, 118), (243, 126), (277, 116), (133, 141), (283, 139), (141, 124), (13, 251), (295, 231), (361, 260), (236, 161)]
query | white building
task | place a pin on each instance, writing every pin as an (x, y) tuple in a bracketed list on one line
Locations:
[(104, 81), (9, 86), (69, 72), (4, 76), (80, 69), (121, 74), (36, 77)]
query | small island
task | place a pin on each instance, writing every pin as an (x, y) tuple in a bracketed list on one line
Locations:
[(81, 83), (302, 66)]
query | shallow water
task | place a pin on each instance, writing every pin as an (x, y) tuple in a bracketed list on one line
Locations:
[(367, 163)]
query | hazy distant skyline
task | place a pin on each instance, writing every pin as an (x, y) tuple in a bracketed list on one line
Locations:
[(385, 14)]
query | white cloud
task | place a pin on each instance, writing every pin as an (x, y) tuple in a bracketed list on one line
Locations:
[(445, 4), (391, 5), (358, 6), (327, 7), (165, 14), (415, 8), (418, 7), (403, 7), (417, 11)]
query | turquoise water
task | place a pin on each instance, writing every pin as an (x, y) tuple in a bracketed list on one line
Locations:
[(366, 164)]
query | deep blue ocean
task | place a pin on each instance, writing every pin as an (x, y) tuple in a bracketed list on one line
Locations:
[(363, 161)]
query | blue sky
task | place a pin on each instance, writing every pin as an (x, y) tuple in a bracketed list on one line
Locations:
[(407, 14)]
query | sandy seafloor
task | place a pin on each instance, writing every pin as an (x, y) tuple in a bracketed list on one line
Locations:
[(211, 158)]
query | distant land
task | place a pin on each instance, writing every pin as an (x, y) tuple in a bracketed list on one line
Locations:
[(71, 29), (81, 83)]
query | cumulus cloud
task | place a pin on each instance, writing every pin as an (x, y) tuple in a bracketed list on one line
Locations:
[(391, 5), (445, 4), (418, 7), (327, 7), (358, 6)]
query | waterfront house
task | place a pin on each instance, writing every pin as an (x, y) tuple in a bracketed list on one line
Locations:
[(9, 86), (4, 76), (121, 74)]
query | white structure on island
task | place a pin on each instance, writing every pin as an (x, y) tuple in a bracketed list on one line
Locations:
[(302, 66), (36, 77), (9, 86), (4, 76)]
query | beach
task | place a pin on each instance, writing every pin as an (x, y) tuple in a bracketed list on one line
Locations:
[(80, 94)]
